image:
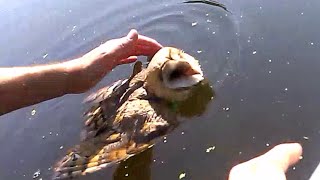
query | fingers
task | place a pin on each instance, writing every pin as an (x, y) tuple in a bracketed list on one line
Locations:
[(132, 35), (271, 165), (138, 45), (284, 155), (128, 60), (147, 46), (146, 50), (143, 45), (143, 40)]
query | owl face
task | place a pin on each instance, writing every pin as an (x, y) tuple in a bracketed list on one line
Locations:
[(173, 74), (177, 74)]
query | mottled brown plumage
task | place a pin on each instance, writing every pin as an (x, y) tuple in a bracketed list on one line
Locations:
[(131, 114)]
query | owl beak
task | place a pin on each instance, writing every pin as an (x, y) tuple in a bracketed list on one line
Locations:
[(191, 72)]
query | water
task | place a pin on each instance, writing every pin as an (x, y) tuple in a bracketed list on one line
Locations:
[(268, 102)]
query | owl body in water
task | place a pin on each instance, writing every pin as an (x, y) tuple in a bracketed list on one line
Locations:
[(131, 114)]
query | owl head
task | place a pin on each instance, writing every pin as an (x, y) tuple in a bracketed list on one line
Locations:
[(172, 74)]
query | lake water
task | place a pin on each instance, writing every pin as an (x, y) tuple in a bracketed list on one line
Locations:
[(262, 60)]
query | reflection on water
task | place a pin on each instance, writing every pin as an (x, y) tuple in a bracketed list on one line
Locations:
[(273, 101), (198, 102), (137, 167)]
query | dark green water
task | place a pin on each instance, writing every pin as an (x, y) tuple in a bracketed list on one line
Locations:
[(268, 102)]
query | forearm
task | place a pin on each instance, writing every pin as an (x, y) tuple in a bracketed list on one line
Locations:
[(24, 86)]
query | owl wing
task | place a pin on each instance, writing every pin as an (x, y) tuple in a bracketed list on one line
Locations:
[(136, 127), (106, 101), (115, 89)]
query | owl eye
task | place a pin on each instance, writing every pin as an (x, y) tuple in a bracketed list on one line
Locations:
[(175, 74)]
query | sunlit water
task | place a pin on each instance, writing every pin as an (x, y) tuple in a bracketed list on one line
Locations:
[(262, 60)]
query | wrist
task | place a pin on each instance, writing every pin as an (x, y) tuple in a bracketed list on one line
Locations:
[(86, 71), (74, 70)]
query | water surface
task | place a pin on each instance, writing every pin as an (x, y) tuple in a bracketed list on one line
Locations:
[(262, 60)]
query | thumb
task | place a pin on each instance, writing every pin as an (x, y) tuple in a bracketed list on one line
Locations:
[(128, 60), (284, 155), (133, 35)]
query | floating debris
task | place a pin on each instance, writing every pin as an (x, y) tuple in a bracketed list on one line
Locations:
[(306, 137), (199, 51), (293, 168), (285, 89), (33, 112), (44, 56), (270, 60), (182, 175), (126, 175), (300, 157), (207, 14), (194, 24), (311, 43), (226, 109), (36, 174), (211, 2), (50, 133), (182, 132), (213, 32), (210, 149), (254, 52), (61, 147), (43, 137), (73, 28), (267, 144), (302, 13), (209, 21)]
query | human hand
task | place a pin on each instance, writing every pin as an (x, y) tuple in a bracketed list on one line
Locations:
[(271, 165), (98, 62), (126, 49)]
